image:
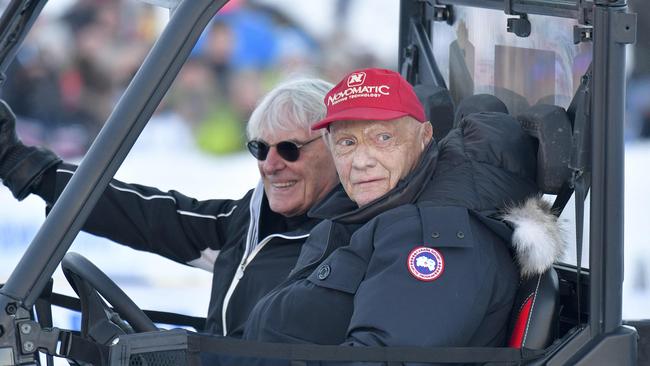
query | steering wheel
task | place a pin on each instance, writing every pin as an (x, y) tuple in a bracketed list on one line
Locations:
[(88, 281)]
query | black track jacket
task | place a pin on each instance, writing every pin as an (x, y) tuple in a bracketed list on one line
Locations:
[(221, 236)]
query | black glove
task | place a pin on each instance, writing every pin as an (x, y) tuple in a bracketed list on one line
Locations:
[(21, 167)]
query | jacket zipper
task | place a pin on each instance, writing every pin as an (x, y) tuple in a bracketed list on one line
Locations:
[(246, 260)]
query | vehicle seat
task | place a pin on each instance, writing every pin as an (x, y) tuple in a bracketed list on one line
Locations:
[(551, 127), (438, 107), (534, 320), (478, 103)]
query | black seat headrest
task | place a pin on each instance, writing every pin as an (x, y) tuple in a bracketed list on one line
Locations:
[(516, 102), (550, 125), (438, 107), (478, 103)]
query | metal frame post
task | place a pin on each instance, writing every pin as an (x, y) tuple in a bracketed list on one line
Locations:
[(563, 9), (416, 55), (607, 187), (407, 10)]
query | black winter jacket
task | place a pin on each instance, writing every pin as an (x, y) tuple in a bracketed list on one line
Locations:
[(216, 235), (419, 266)]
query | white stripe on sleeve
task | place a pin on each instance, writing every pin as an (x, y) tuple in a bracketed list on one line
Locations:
[(213, 217), (155, 196)]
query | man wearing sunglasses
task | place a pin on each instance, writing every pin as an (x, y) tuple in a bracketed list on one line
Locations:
[(249, 244)]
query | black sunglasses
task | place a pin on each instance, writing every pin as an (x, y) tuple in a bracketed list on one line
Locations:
[(288, 150)]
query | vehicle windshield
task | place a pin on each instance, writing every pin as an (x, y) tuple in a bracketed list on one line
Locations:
[(478, 55)]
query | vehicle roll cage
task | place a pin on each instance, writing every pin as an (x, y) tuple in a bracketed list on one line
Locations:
[(606, 22)]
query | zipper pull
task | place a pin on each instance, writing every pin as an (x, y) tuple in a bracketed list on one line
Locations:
[(240, 271)]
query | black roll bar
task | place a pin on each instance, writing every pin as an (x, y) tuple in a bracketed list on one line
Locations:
[(614, 28), (17, 19), (415, 59), (556, 8)]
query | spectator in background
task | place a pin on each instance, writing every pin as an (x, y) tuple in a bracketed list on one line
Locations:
[(32, 85), (65, 79), (238, 47), (87, 81), (193, 97), (247, 49), (108, 50)]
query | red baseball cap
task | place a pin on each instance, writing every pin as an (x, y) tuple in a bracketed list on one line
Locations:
[(371, 94)]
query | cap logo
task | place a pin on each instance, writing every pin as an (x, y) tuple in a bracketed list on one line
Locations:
[(356, 89), (371, 94), (425, 264), (356, 79)]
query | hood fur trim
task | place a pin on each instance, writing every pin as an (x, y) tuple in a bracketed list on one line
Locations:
[(538, 237)]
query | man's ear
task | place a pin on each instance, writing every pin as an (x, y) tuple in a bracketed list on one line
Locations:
[(427, 133)]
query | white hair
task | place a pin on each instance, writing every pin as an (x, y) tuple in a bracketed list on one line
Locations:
[(291, 105)]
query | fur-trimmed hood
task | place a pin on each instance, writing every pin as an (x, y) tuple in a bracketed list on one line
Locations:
[(538, 237)]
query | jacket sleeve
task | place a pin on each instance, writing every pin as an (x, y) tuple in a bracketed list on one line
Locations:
[(429, 281), (170, 224)]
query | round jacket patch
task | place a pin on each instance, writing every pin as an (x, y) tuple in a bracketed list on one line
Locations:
[(425, 264)]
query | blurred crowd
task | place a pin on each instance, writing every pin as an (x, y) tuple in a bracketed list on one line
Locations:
[(76, 63), (65, 78)]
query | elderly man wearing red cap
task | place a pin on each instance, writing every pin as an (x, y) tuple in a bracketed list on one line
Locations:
[(377, 132), (409, 253)]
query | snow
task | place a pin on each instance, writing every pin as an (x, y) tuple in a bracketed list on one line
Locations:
[(636, 285)]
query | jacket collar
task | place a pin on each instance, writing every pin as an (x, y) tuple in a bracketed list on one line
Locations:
[(296, 227)]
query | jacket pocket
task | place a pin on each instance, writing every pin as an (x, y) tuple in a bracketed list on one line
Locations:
[(343, 270)]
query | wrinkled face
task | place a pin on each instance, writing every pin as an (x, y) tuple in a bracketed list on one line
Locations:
[(372, 156), (292, 188)]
